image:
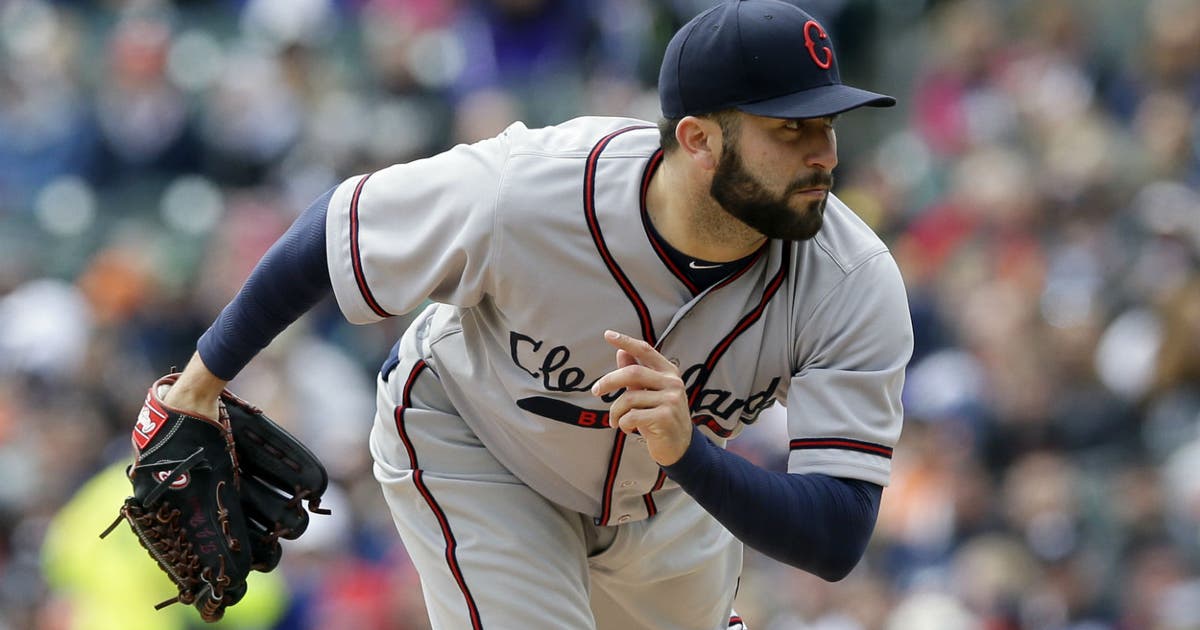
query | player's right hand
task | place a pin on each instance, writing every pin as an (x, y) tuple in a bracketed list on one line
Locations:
[(654, 403)]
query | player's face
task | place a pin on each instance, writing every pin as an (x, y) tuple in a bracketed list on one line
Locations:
[(780, 190)]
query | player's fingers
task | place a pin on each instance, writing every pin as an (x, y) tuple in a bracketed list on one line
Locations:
[(641, 351), (640, 399), (635, 377), (625, 359), (630, 421), (650, 420)]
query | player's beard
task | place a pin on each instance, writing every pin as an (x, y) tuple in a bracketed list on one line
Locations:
[(744, 197)]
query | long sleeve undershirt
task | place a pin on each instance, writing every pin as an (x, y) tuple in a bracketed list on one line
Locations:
[(289, 280), (814, 522)]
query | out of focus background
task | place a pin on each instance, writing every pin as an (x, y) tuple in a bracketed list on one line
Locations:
[(1039, 185)]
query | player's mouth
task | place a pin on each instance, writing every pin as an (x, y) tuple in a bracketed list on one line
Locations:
[(813, 186)]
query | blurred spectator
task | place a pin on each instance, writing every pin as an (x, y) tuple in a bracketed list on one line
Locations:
[(46, 128), (144, 120)]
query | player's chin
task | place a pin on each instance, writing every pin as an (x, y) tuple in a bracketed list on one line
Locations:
[(807, 229), (806, 220)]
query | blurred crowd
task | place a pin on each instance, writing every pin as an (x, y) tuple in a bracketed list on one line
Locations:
[(1039, 185)]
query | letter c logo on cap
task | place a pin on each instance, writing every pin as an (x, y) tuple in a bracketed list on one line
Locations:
[(825, 60)]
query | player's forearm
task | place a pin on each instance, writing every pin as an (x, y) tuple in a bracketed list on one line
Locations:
[(290, 279), (817, 523)]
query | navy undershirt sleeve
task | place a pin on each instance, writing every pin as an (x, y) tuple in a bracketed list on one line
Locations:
[(814, 522), (289, 280)]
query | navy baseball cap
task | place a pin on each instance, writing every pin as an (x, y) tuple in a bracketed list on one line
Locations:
[(765, 57)]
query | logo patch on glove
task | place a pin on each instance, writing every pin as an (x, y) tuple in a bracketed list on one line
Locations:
[(180, 482), (149, 421)]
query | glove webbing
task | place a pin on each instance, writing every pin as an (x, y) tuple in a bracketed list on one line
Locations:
[(148, 525), (179, 469)]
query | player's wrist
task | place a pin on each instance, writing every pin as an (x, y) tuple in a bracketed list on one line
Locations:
[(196, 390), (677, 453), (691, 453)]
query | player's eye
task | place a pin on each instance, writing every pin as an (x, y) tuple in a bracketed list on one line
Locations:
[(796, 124)]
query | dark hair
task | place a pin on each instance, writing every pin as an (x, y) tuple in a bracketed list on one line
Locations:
[(726, 118), (666, 134)]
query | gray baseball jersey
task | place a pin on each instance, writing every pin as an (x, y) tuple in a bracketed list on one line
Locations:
[(533, 243)]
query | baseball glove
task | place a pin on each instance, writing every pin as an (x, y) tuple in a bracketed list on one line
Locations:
[(211, 498), (278, 474)]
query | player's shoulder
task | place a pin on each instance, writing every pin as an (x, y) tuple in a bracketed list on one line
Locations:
[(578, 137), (845, 239)]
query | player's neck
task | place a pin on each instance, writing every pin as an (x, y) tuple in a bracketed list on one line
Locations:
[(687, 217)]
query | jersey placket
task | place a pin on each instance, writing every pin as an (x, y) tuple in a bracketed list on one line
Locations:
[(620, 504)]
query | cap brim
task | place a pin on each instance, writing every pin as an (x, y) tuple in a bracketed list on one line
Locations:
[(817, 102)]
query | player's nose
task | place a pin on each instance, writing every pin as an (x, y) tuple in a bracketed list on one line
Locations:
[(822, 154)]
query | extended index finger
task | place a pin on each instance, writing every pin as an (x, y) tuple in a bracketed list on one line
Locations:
[(642, 351)]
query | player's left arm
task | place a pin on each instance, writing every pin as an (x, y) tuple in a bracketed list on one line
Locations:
[(814, 522), (819, 516)]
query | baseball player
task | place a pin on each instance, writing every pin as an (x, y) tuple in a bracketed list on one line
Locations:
[(611, 302)]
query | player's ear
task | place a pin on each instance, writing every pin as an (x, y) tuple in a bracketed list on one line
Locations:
[(700, 139)]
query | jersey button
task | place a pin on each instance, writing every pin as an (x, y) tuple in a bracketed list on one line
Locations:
[(628, 484), (624, 518)]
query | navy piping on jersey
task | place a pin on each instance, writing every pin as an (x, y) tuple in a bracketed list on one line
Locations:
[(438, 513), (661, 248), (761, 250), (451, 548), (639, 304), (651, 166), (648, 498), (846, 444), (589, 209), (405, 403), (356, 256), (716, 354), (744, 324), (610, 480), (648, 174), (711, 424)]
